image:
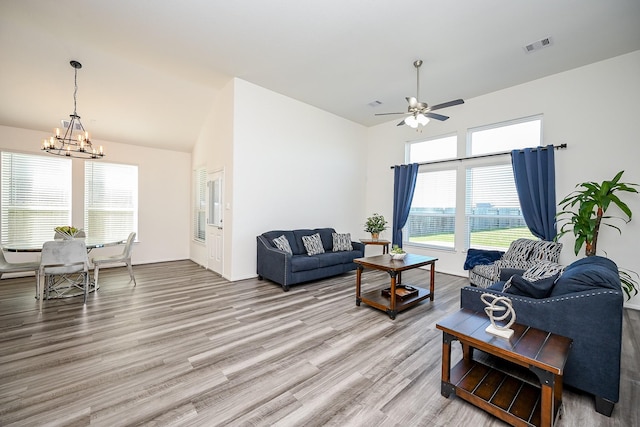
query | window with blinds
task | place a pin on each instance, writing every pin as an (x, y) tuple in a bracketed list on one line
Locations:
[(492, 209), (432, 217), (36, 197), (110, 200), (493, 215), (199, 204)]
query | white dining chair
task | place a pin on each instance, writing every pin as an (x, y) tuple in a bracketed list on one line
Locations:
[(17, 267), (64, 259), (123, 258)]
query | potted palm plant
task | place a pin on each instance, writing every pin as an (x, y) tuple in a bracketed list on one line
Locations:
[(592, 200), (375, 225)]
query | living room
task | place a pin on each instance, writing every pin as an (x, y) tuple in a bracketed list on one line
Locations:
[(288, 164)]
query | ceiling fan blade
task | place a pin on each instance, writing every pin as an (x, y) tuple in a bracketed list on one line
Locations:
[(388, 114), (436, 116), (413, 102), (447, 104), (401, 123)]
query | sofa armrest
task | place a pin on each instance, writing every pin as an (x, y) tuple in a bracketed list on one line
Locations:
[(272, 263), (357, 246)]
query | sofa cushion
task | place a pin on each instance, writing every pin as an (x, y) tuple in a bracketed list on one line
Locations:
[(519, 250), (283, 244), (326, 235), (328, 259), (587, 274), (541, 270), (270, 235), (341, 242), (304, 263), (517, 285), (545, 251), (313, 244)]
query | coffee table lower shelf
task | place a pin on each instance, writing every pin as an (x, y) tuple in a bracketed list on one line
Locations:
[(509, 398), (377, 300)]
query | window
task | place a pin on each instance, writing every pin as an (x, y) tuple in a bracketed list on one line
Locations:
[(433, 209), (199, 204), (493, 215), (110, 200), (36, 197)]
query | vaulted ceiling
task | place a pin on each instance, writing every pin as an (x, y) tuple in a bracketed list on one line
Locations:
[(152, 69)]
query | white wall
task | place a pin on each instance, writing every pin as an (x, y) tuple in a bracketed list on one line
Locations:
[(295, 166), (163, 193), (594, 109)]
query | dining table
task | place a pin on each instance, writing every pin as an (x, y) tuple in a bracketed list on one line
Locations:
[(64, 286)]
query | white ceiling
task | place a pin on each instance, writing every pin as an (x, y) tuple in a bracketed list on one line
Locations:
[(151, 69)]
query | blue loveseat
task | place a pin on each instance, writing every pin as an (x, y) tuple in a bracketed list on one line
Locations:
[(289, 269), (583, 302)]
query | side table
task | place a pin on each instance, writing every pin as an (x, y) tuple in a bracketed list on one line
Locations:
[(502, 393), (383, 243)]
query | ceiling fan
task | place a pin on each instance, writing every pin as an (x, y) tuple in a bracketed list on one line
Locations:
[(420, 112)]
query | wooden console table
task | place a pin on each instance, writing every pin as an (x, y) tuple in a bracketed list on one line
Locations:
[(391, 305), (513, 400)]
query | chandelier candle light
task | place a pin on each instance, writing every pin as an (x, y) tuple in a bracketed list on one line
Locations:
[(69, 145)]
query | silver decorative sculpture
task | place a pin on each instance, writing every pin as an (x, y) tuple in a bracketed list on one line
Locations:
[(496, 304)]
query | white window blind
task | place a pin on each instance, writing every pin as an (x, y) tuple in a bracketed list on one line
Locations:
[(493, 215), (199, 204), (110, 200), (36, 197)]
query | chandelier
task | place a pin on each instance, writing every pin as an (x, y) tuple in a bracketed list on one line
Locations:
[(65, 143)]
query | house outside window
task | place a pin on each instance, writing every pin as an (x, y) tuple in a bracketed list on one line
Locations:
[(36, 197)]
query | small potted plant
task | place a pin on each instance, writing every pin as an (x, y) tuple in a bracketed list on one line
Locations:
[(397, 252), (375, 225)]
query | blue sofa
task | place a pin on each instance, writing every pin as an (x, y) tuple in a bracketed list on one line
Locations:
[(289, 269), (583, 302)]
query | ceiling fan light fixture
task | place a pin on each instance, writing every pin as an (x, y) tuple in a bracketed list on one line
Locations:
[(412, 122), (422, 119)]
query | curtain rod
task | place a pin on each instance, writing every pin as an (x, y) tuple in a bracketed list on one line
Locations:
[(503, 153)]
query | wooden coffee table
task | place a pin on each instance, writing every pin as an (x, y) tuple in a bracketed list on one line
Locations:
[(393, 304), (505, 395)]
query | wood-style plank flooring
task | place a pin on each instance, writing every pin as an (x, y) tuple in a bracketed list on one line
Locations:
[(187, 348)]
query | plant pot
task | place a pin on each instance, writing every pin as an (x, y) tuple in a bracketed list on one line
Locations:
[(374, 236)]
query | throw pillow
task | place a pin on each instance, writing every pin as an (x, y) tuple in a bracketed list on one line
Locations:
[(542, 270), (282, 243), (313, 244), (516, 285), (342, 242)]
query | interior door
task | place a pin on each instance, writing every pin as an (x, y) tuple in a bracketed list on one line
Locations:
[(215, 240)]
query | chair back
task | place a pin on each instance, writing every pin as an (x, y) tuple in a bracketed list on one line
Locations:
[(128, 247), (3, 260), (64, 257)]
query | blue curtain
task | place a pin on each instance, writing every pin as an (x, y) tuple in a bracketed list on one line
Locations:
[(404, 184), (535, 177)]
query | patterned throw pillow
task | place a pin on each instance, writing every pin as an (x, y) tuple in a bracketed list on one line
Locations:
[(342, 242), (283, 244), (313, 244), (542, 270)]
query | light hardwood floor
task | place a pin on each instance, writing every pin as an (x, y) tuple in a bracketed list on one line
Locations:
[(186, 347)]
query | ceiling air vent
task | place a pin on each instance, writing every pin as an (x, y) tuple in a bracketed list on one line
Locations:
[(65, 124), (545, 42), (374, 103)]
